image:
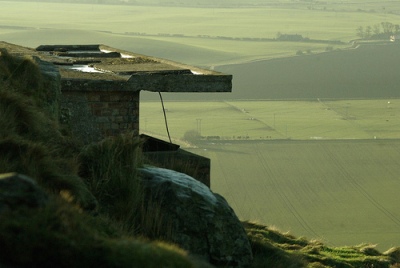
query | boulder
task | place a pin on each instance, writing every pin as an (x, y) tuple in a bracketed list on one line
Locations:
[(200, 221), (18, 190)]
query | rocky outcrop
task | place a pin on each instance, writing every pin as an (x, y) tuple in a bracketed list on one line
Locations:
[(17, 190), (200, 221)]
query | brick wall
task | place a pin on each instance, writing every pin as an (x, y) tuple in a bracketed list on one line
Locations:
[(93, 115)]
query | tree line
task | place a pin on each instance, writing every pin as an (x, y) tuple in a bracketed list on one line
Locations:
[(378, 31)]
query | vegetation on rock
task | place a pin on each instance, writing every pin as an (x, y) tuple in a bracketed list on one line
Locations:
[(61, 233)]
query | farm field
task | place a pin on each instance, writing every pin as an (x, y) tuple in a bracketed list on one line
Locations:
[(173, 32), (341, 192), (269, 120)]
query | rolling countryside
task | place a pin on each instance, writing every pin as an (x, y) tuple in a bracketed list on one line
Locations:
[(307, 142), (327, 170)]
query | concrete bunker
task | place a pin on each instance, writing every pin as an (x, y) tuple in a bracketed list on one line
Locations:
[(100, 91)]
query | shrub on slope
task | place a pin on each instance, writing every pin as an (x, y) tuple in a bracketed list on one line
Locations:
[(30, 140)]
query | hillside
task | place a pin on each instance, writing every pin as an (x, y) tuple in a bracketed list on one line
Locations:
[(71, 226), (68, 231), (368, 72)]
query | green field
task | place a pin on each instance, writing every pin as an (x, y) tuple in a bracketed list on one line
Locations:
[(270, 120), (340, 192), (324, 169), (50, 23)]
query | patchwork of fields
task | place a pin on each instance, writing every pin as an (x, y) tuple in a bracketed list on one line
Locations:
[(52, 23), (323, 169)]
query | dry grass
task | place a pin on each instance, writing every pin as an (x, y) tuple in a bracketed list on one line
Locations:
[(109, 168)]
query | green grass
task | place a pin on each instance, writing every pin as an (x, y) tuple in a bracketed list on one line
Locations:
[(339, 192), (236, 22), (273, 248)]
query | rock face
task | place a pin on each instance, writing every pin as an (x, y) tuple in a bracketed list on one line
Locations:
[(18, 190), (201, 222)]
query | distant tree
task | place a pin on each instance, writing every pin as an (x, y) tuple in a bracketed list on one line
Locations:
[(191, 135), (396, 29), (360, 32), (376, 29), (387, 27), (368, 31)]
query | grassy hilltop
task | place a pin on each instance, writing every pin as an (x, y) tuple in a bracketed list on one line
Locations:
[(66, 233)]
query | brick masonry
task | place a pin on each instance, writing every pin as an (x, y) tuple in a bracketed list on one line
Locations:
[(94, 115)]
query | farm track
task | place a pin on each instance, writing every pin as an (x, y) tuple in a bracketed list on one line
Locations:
[(261, 122), (351, 120)]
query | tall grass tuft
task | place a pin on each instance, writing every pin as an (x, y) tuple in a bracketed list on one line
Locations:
[(51, 172), (19, 116), (30, 140), (266, 253), (109, 168), (23, 75)]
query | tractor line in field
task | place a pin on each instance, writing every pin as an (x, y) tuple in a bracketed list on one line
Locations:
[(345, 174), (285, 199)]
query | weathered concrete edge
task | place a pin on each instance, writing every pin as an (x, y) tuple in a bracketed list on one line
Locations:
[(154, 83)]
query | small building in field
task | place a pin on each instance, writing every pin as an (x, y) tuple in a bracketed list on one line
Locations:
[(100, 90), (395, 38)]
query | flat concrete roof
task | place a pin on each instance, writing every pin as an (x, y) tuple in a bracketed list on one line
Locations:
[(100, 67)]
